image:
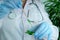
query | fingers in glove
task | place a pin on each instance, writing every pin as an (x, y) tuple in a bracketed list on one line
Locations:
[(41, 29), (44, 34)]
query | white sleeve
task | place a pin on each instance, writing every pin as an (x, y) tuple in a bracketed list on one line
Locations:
[(45, 15), (1, 21), (55, 33)]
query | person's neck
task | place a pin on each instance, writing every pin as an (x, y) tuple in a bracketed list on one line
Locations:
[(24, 2)]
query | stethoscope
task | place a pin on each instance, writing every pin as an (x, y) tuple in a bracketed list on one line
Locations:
[(33, 3)]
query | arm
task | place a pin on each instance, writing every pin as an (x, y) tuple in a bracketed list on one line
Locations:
[(55, 33), (51, 30), (8, 26)]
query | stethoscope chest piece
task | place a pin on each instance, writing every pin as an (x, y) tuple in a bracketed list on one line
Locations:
[(12, 15), (16, 13)]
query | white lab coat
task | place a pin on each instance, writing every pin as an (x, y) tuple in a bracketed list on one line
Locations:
[(13, 26)]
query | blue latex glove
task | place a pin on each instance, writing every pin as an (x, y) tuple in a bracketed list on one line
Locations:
[(9, 5), (43, 31)]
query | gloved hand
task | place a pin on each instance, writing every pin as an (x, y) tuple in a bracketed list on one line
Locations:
[(7, 5), (43, 31)]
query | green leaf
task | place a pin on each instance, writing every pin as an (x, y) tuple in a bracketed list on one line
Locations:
[(30, 32)]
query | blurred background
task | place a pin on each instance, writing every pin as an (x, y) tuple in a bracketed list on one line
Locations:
[(53, 9)]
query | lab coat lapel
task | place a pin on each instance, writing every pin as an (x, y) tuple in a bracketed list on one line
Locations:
[(27, 6)]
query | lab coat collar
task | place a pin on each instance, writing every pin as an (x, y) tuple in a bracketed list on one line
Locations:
[(28, 2), (27, 6)]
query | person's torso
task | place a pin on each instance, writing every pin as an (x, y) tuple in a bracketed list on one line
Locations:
[(16, 23)]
